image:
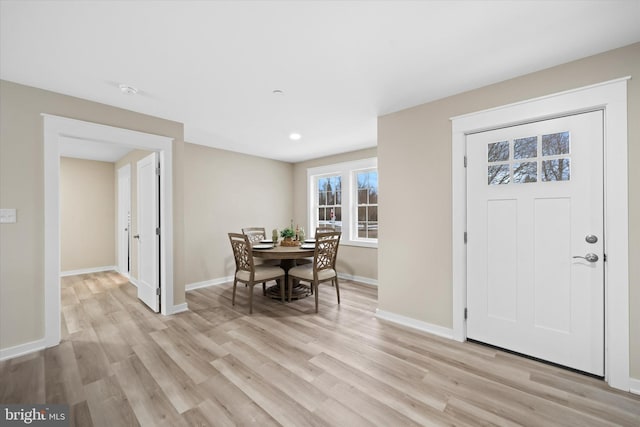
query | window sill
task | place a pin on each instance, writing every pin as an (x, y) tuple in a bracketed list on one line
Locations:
[(359, 243)]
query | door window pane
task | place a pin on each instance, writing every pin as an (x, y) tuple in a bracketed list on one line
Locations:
[(556, 170), (498, 174), (498, 151), (525, 148), (525, 172), (555, 144)]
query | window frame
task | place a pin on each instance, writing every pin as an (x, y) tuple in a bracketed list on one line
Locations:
[(349, 190)]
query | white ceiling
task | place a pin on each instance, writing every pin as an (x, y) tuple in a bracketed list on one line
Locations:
[(213, 65)]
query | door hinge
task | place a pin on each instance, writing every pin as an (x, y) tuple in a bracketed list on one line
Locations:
[(604, 257), (465, 237), (466, 313), (158, 171), (465, 161), (157, 231), (158, 291)]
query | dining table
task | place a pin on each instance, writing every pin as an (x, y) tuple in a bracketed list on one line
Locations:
[(288, 255)]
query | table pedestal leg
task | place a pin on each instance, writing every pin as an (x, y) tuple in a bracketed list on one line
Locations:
[(298, 292)]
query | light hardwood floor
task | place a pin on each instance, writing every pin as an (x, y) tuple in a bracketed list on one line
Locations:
[(121, 365)]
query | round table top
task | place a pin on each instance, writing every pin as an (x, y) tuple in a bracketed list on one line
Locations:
[(283, 252)]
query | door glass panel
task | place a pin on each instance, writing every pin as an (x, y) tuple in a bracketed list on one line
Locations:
[(498, 151), (525, 172), (556, 170), (525, 148), (498, 174), (555, 144)]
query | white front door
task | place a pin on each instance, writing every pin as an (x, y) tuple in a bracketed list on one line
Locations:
[(147, 236), (124, 219), (535, 254)]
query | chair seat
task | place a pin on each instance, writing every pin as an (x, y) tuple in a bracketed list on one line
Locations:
[(262, 273), (305, 272)]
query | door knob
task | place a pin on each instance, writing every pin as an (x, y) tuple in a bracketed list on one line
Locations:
[(137, 236), (589, 257)]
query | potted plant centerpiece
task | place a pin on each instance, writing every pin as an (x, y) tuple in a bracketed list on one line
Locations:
[(288, 234)]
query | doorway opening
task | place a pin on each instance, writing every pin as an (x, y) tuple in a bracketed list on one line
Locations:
[(56, 128)]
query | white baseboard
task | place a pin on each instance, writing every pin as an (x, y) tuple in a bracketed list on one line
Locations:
[(179, 308), (22, 349), (133, 281), (359, 279), (207, 283), (88, 270), (415, 324), (634, 386)]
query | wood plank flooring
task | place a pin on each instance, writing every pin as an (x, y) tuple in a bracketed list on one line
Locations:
[(121, 365)]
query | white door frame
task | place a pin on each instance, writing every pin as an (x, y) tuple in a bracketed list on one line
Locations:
[(611, 97), (55, 128), (124, 244)]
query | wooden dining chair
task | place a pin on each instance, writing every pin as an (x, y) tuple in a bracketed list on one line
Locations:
[(249, 273), (324, 229), (255, 234), (323, 267)]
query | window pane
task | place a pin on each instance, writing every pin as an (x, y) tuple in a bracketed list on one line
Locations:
[(363, 180), (556, 170), (372, 230), (554, 144), (322, 198), (525, 172), (331, 200), (362, 230), (362, 213), (338, 197), (372, 213), (362, 196), (373, 196), (525, 148), (498, 174), (498, 151), (338, 183), (338, 213), (321, 216), (323, 183)]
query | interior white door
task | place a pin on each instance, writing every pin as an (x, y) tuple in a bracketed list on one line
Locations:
[(147, 235), (124, 218), (535, 273)]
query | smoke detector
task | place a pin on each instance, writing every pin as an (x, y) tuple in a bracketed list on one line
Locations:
[(128, 90)]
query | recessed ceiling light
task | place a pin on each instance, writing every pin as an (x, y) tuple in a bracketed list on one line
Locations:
[(294, 136), (128, 90), (277, 92)]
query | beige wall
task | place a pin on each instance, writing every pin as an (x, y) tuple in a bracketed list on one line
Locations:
[(224, 192), (131, 159), (414, 162), (352, 260), (87, 222), (22, 187)]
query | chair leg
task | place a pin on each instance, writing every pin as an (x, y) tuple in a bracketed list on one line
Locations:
[(251, 299), (315, 286), (281, 283), (264, 289), (337, 289), (233, 297)]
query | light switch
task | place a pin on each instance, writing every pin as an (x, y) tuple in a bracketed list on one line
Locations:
[(7, 216)]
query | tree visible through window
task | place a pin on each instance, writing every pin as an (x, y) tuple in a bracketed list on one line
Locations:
[(330, 201), (367, 204), (345, 196)]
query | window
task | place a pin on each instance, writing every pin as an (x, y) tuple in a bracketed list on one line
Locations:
[(345, 196), (531, 162)]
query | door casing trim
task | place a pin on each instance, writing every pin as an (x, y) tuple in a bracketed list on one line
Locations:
[(55, 128), (610, 97)]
